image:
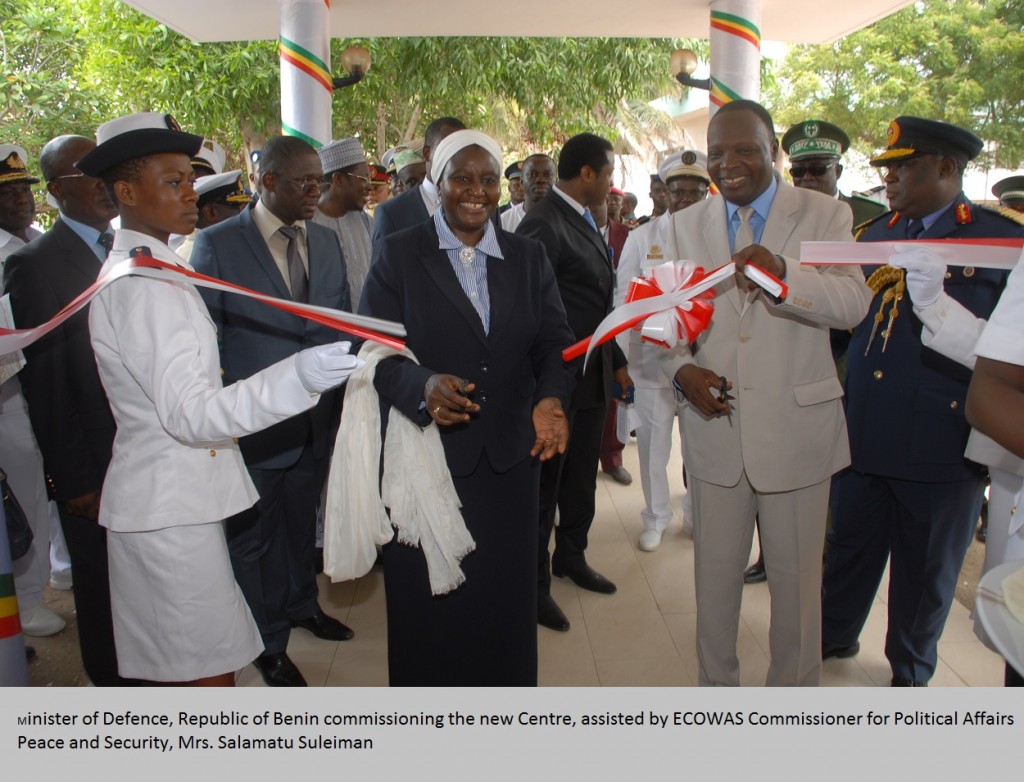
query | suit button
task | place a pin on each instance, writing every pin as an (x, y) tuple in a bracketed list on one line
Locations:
[(234, 440), (879, 374), (949, 275), (484, 366), (954, 405), (482, 397), (968, 271), (222, 371), (213, 452)]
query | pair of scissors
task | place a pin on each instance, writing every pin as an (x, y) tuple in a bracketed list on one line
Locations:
[(724, 395)]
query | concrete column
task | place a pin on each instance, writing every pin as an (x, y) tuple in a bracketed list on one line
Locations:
[(735, 51), (305, 49)]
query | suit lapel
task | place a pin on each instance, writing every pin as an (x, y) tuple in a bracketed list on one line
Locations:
[(79, 256), (502, 285), (439, 269), (261, 252), (781, 220), (578, 224)]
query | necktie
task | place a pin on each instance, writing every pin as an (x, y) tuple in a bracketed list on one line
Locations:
[(107, 242), (590, 219), (744, 233), (297, 280), (744, 238), (914, 229)]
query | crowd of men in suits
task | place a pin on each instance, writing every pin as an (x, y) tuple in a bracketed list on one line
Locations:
[(837, 400)]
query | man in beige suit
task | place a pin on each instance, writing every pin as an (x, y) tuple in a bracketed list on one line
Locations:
[(772, 450)]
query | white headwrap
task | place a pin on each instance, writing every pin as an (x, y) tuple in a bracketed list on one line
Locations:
[(453, 143)]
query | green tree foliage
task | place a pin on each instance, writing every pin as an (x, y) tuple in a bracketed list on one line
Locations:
[(109, 60), (42, 92), (961, 61)]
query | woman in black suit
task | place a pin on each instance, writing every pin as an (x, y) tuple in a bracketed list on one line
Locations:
[(486, 323)]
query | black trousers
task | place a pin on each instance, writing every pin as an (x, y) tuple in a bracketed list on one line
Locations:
[(272, 547), (568, 483)]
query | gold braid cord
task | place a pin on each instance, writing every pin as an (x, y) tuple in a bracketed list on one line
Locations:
[(885, 276)]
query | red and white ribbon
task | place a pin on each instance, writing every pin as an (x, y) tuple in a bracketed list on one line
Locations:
[(980, 253), (383, 331), (679, 311)]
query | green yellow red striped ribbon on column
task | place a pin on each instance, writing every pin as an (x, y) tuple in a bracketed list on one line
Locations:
[(738, 26), (306, 61), (741, 28), (721, 94), (10, 623)]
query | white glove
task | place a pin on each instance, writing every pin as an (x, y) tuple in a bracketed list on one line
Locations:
[(325, 367), (926, 273)]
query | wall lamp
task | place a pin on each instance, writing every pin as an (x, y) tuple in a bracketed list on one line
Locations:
[(356, 62), (683, 63)]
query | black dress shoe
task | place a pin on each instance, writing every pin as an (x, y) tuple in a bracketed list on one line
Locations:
[(755, 573), (585, 577), (278, 671), (326, 627), (620, 475), (899, 681), (840, 652), (550, 615)]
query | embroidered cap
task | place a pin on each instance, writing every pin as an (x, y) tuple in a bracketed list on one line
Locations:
[(814, 138), (226, 188), (13, 166), (341, 154), (910, 137)]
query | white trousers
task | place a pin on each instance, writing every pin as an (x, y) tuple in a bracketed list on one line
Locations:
[(21, 460), (656, 410)]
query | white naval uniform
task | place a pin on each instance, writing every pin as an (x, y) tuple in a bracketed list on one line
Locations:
[(955, 332), (176, 473), (21, 460), (655, 404)]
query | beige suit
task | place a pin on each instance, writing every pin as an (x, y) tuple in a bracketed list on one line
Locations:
[(786, 435)]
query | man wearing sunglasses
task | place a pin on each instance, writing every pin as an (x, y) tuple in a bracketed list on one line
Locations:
[(277, 249), (815, 148)]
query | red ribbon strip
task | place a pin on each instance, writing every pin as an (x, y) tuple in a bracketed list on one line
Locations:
[(374, 329)]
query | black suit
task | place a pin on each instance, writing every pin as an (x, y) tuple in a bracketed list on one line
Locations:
[(272, 544), (485, 632), (586, 282), (70, 418), (403, 211)]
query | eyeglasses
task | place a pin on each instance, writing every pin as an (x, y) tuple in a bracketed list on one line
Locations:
[(307, 184), (364, 179), (814, 169), (79, 175), (690, 194)]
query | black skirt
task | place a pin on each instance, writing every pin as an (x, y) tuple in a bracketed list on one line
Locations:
[(483, 634)]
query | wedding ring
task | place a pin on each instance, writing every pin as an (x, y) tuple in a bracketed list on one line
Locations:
[(437, 409)]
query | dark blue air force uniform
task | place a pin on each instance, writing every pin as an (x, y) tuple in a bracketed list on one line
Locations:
[(909, 492)]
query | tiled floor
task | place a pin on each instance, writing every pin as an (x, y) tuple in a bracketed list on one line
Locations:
[(641, 636)]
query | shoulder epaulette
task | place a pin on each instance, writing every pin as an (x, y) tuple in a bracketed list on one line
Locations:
[(893, 218), (1005, 211)]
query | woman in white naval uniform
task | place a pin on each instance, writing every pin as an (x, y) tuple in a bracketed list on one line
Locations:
[(179, 616), (954, 331)]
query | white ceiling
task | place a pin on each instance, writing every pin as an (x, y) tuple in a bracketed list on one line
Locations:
[(795, 21)]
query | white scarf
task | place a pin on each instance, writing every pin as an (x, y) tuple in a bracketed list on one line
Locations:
[(416, 486)]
